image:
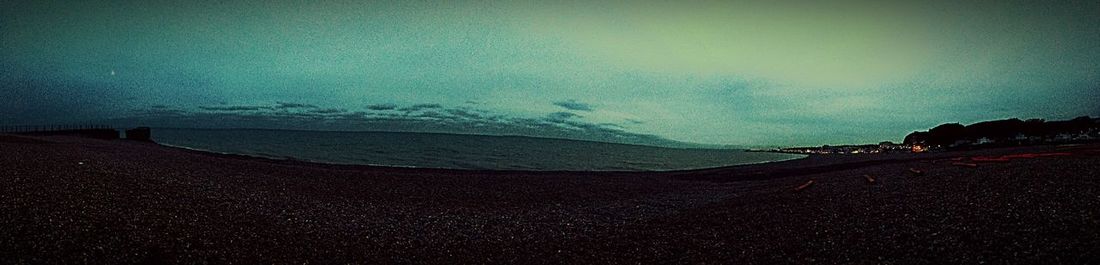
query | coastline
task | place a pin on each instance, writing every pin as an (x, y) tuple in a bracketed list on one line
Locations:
[(646, 164), (289, 160), (283, 159), (64, 200)]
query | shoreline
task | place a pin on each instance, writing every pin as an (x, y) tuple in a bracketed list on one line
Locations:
[(291, 159)]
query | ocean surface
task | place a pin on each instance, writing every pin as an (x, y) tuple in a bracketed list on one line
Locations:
[(428, 150)]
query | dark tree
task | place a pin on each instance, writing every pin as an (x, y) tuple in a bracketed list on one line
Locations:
[(1000, 129), (946, 134), (1005, 131), (916, 138), (1033, 127)]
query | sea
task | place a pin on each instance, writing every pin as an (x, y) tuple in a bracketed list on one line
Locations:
[(455, 151)]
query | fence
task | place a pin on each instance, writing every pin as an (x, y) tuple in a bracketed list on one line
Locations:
[(51, 128)]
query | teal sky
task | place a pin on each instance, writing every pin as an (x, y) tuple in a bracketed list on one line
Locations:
[(721, 72)]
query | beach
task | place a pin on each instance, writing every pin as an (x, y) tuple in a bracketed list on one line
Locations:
[(75, 200)]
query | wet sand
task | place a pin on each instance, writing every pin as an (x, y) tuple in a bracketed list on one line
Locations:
[(72, 200)]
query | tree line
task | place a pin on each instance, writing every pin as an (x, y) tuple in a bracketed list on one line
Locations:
[(1006, 131)]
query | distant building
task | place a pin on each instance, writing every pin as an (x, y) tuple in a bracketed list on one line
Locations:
[(962, 142), (143, 134)]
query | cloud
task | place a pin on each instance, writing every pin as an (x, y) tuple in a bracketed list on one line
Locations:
[(434, 118), (386, 106), (560, 116), (161, 111), (467, 114), (328, 111), (234, 108), (611, 125), (573, 105), (419, 107), (291, 105)]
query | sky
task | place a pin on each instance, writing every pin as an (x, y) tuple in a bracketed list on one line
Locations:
[(746, 73)]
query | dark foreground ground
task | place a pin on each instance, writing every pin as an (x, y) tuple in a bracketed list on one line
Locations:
[(68, 200)]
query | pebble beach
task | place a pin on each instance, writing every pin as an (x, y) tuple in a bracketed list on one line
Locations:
[(74, 200)]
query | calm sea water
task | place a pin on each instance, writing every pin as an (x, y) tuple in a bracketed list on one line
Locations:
[(454, 151)]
